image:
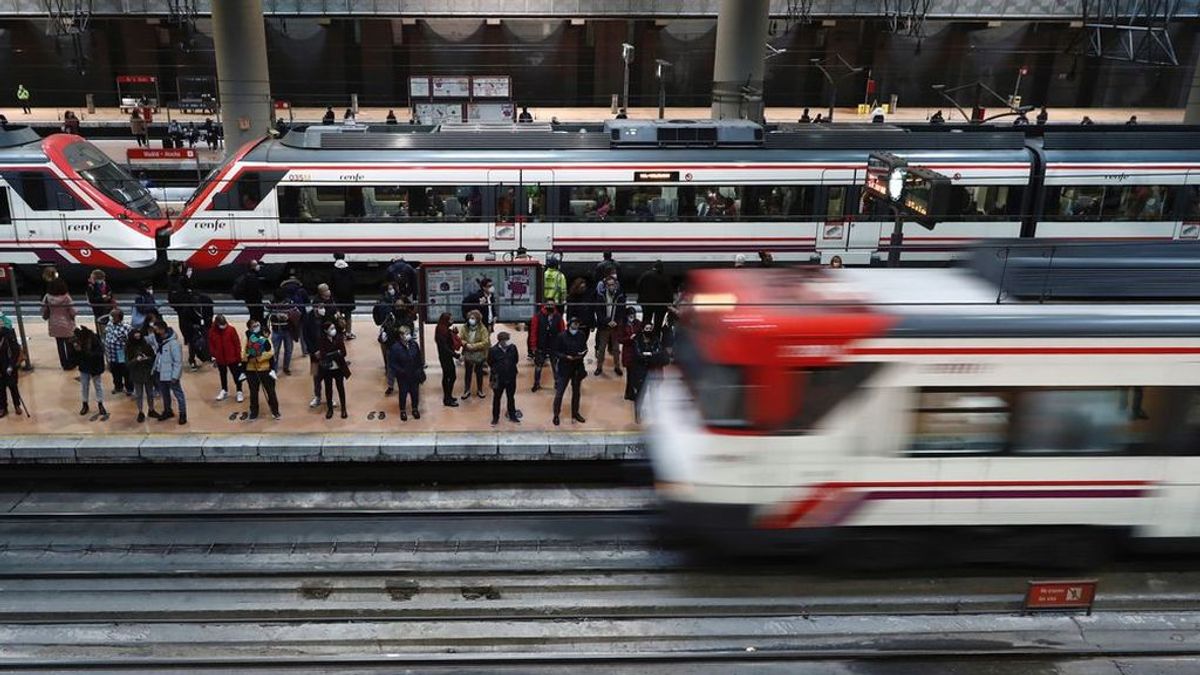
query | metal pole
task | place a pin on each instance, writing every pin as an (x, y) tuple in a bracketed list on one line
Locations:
[(897, 238), (832, 97), (625, 90), (12, 286)]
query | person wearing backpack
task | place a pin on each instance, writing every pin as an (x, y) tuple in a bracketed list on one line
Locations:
[(280, 317)]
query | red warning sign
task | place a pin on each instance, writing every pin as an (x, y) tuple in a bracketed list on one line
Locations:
[(1059, 595)]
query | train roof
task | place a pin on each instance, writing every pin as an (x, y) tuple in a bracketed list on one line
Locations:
[(20, 144), (948, 302)]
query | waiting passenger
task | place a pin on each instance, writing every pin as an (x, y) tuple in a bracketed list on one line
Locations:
[(329, 116), (115, 339), (226, 349), (476, 340), (139, 354), (1086, 121), (1131, 121), (58, 309), (168, 368), (503, 359), (525, 117), (570, 349), (333, 368), (448, 345), (405, 359), (877, 115), (90, 356), (391, 118), (257, 355), (937, 118), (610, 315), (544, 329), (1042, 117), (649, 357), (805, 118), (10, 361)]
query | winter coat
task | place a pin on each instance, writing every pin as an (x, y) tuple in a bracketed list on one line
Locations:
[(405, 277), (654, 288), (475, 342), (294, 291), (544, 330), (341, 285), (487, 310), (628, 332), (61, 315), (445, 347), (404, 358), (572, 346), (168, 364), (143, 305), (140, 357), (258, 353), (503, 362), (10, 353), (331, 357), (251, 288), (224, 345), (100, 297), (601, 309), (310, 329), (90, 356)]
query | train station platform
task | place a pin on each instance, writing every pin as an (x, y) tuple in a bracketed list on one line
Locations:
[(218, 431)]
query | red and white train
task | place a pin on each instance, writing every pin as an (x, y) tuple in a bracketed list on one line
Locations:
[(62, 200), (690, 192), (882, 406)]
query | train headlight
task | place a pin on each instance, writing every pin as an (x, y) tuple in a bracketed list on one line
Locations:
[(143, 228)]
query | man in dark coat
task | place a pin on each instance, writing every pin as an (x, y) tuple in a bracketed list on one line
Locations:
[(502, 359), (570, 349), (482, 300), (342, 286), (654, 294), (405, 276), (251, 291)]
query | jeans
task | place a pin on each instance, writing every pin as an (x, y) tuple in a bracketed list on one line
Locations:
[(331, 378), (283, 337), (166, 389), (120, 375), (96, 382), (224, 371), (262, 379), (391, 375), (409, 389), (509, 390), (477, 369), (540, 357), (144, 390), (607, 337)]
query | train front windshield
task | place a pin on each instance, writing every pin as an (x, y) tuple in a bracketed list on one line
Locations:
[(96, 168)]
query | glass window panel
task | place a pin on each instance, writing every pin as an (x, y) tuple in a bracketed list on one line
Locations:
[(961, 422)]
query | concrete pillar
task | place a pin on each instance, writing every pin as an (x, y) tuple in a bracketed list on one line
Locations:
[(1191, 114), (240, 40), (741, 40)]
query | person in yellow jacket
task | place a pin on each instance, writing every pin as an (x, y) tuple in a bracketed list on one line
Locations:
[(257, 354), (554, 283), (23, 98)]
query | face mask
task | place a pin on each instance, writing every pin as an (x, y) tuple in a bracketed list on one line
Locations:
[(487, 289), (255, 330), (391, 291), (221, 325), (471, 322), (504, 343), (114, 319), (404, 337), (136, 337), (332, 332), (149, 291), (321, 311), (189, 274), (573, 331)]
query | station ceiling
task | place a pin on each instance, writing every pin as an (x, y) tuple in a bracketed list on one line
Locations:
[(1046, 10)]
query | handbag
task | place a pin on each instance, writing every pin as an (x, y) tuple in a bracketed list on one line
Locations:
[(421, 376), (456, 341)]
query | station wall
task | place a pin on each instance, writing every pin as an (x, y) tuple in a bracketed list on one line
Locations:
[(554, 63)]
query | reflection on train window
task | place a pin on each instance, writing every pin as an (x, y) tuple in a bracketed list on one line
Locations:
[(821, 390), (720, 391), (1073, 421), (961, 422), (585, 202), (379, 203), (1114, 203), (1187, 205), (985, 202), (5, 213), (686, 202)]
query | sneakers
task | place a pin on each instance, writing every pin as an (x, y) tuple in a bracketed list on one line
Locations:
[(276, 416), (312, 404), (222, 395), (450, 403), (239, 397)]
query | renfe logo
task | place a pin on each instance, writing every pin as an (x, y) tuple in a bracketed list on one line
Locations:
[(213, 225), (86, 228), (351, 176)]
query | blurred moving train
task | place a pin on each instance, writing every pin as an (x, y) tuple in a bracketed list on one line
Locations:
[(690, 192), (926, 414), (62, 200)]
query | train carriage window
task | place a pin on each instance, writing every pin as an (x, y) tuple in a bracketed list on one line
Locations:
[(244, 194), (1187, 203), (5, 213), (961, 422), (1070, 421), (586, 203), (1074, 203), (835, 202), (985, 202), (380, 203), (1139, 202), (41, 191)]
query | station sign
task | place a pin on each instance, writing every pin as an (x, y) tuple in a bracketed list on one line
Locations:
[(136, 79), (1061, 595), (656, 177), (160, 153)]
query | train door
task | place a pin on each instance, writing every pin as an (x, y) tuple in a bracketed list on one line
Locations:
[(1187, 209), (506, 190), (536, 232), (252, 220), (843, 232), (8, 226)]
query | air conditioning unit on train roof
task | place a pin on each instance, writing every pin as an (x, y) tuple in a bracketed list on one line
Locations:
[(683, 133)]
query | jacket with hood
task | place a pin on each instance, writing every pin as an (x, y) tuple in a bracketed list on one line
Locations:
[(168, 364)]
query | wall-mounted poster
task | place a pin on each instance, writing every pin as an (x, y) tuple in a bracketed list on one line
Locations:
[(451, 87), (436, 113), (490, 87), (418, 87), (447, 284), (490, 112)]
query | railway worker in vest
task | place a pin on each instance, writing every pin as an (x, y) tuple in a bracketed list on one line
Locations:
[(482, 301), (503, 359), (554, 283), (257, 355), (311, 325), (405, 359), (570, 349), (544, 330), (610, 316), (116, 338), (23, 98), (10, 365), (476, 340), (90, 354), (168, 369), (341, 284), (333, 367), (58, 309), (226, 349), (139, 355)]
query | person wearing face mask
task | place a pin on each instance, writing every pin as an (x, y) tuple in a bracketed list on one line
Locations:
[(544, 329), (341, 286), (610, 316), (226, 348), (503, 359), (139, 355), (482, 301), (91, 368), (332, 368), (570, 349), (116, 336), (476, 340), (388, 294), (448, 345), (258, 354), (648, 357), (10, 367), (399, 316), (144, 306), (168, 367), (628, 331), (311, 325), (405, 359)]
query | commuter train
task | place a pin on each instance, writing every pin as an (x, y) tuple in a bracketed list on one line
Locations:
[(831, 410), (62, 200), (688, 192)]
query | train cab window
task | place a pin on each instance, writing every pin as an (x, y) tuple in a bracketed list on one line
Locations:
[(244, 194), (821, 390), (720, 390), (961, 422), (42, 191), (5, 213)]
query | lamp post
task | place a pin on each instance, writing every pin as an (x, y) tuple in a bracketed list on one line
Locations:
[(833, 82), (627, 57), (659, 72)]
